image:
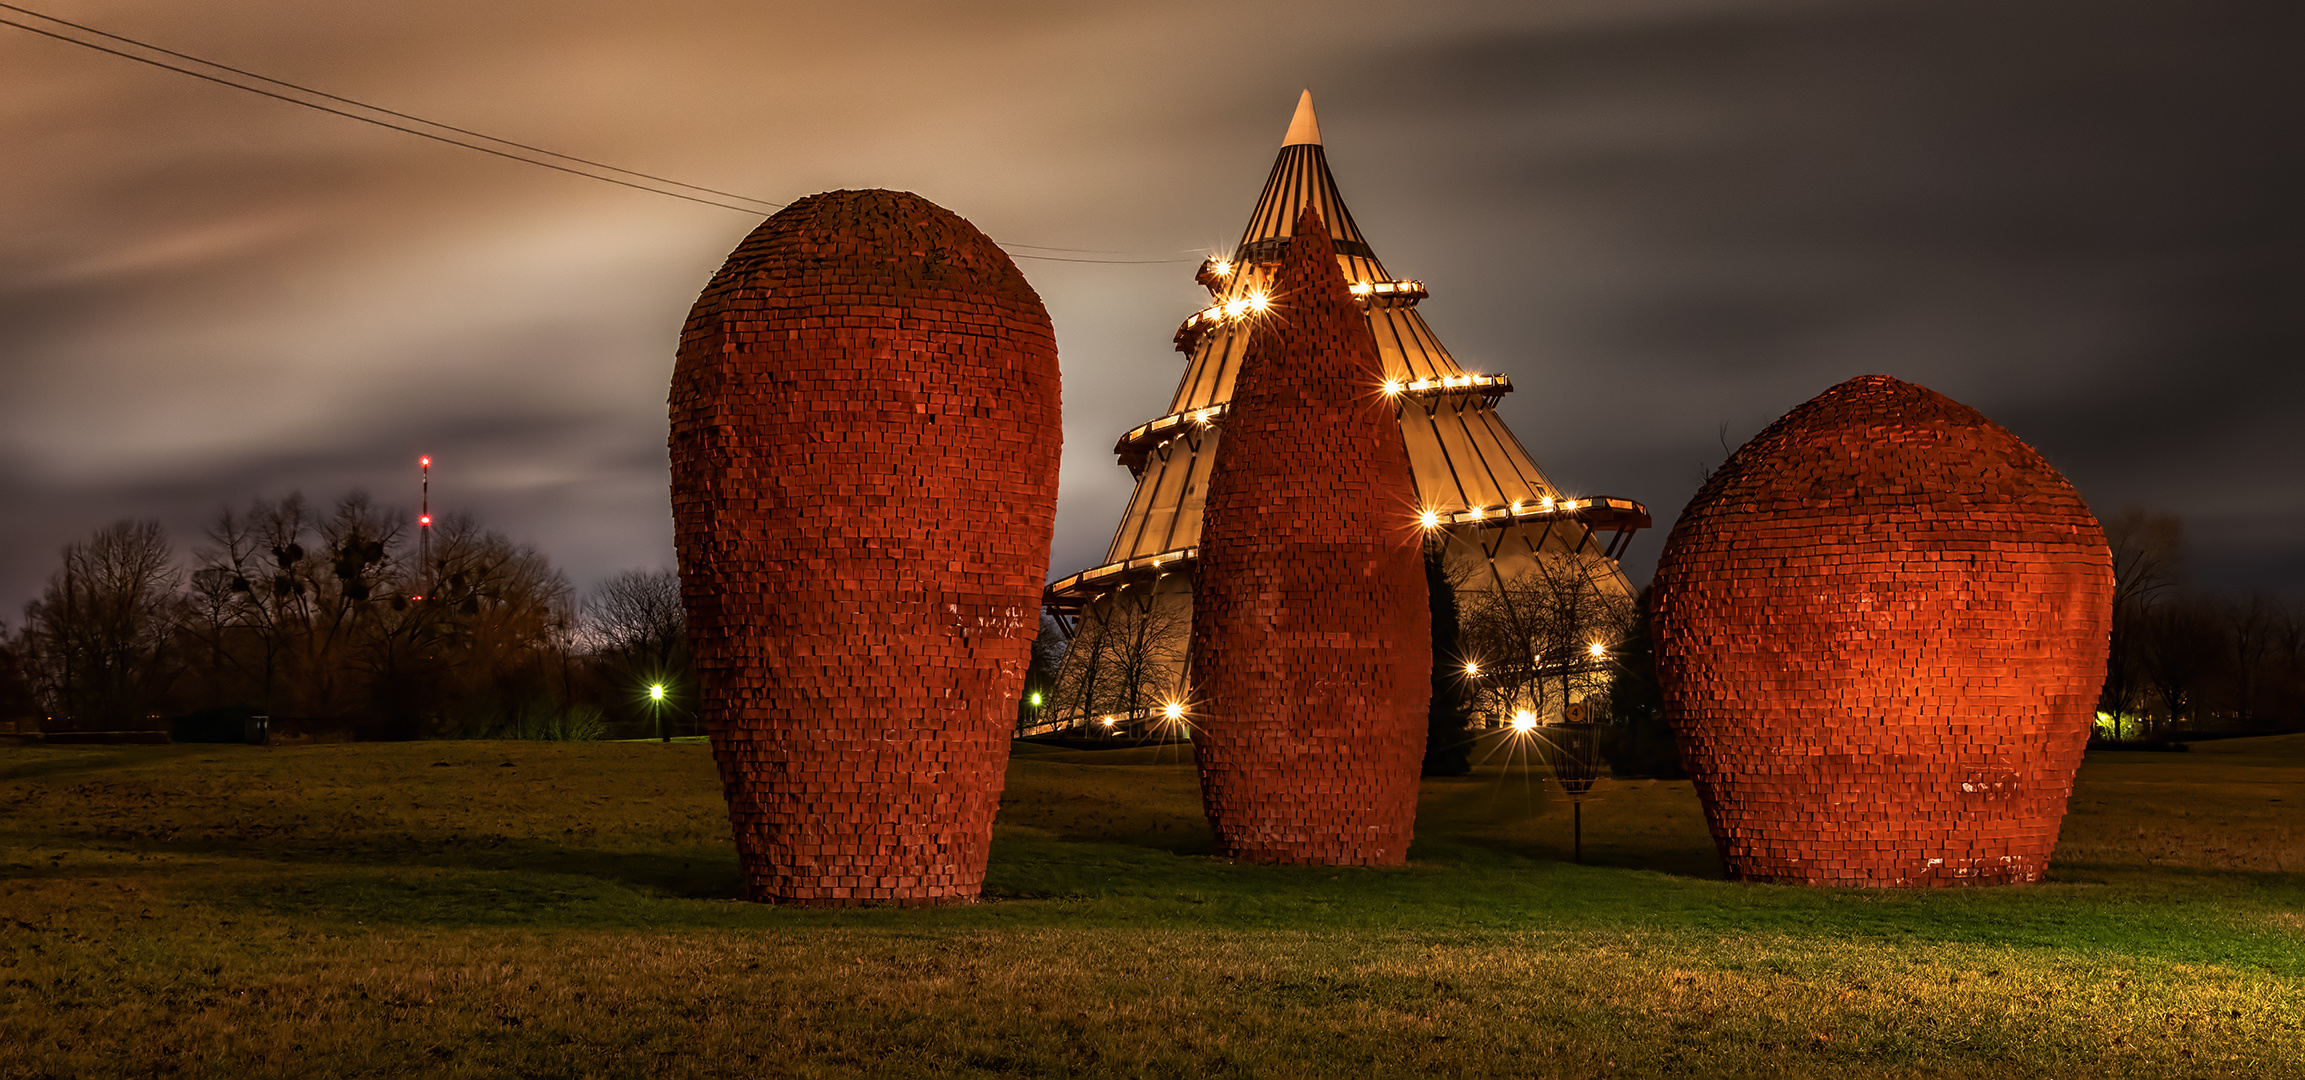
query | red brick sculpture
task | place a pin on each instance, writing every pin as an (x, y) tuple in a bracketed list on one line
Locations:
[(1312, 645), (1881, 629), (864, 464)]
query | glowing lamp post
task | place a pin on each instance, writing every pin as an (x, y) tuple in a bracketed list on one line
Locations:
[(1173, 718), (1029, 718)]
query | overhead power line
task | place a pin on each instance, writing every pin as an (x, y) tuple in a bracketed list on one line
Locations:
[(367, 119), (365, 105), (518, 151)]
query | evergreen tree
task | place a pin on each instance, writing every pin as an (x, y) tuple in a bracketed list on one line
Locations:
[(1448, 718)]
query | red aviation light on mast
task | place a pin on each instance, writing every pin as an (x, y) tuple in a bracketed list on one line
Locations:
[(424, 524)]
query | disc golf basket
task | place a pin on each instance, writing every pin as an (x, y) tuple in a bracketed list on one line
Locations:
[(1572, 751)]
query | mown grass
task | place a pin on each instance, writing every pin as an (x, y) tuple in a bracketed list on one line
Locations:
[(561, 910)]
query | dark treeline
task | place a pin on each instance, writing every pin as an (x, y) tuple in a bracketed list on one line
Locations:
[(2188, 661), (295, 612)]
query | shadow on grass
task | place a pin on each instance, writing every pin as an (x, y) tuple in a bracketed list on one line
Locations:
[(692, 874), (57, 761), (1109, 839), (1041, 881)]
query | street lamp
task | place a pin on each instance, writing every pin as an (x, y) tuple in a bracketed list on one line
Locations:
[(1029, 717)]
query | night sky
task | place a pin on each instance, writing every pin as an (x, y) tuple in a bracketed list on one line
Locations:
[(1669, 220)]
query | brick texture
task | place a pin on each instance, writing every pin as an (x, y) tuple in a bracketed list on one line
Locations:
[(1881, 629), (864, 463), (1312, 645)]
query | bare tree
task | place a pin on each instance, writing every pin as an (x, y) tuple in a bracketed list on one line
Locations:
[(480, 653), (2179, 650), (284, 602), (2148, 565), (636, 627), (1040, 675), (1541, 640), (304, 614), (17, 700), (343, 580), (94, 639), (1131, 663), (2287, 663), (636, 612), (2252, 626), (1049, 648)]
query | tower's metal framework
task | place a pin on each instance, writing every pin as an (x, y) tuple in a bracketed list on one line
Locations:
[(1475, 482)]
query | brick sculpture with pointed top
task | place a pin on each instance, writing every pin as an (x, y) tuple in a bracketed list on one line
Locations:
[(1312, 645), (864, 461), (1881, 628)]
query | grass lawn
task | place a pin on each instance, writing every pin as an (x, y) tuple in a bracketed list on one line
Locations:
[(537, 909)]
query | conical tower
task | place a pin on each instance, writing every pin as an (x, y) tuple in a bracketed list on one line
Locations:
[(1502, 519)]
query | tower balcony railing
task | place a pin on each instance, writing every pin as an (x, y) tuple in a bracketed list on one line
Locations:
[(1370, 294), (1595, 514), (1137, 444), (1066, 596), (1273, 249), (1388, 293)]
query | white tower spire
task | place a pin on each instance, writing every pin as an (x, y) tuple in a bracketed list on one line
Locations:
[(1303, 129)]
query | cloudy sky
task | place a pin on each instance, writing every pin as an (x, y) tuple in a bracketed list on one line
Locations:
[(1669, 220)]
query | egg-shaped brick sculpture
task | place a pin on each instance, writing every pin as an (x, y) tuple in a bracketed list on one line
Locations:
[(1881, 630), (864, 465), (1312, 639)]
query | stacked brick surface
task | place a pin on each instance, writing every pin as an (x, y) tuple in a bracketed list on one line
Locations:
[(1312, 644), (1881, 628), (864, 463)]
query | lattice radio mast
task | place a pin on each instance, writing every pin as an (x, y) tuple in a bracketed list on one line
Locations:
[(424, 524)]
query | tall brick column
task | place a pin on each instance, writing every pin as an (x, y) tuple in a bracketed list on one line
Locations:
[(1312, 645), (864, 460), (1881, 629)]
